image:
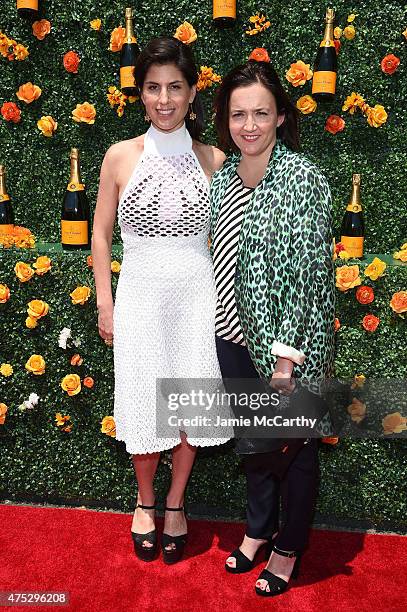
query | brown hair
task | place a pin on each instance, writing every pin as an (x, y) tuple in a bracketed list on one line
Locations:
[(169, 50), (248, 74)]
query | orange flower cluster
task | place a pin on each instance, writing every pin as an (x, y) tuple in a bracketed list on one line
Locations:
[(376, 115), (61, 421), (116, 98), (19, 237), (206, 78), (259, 24), (11, 49)]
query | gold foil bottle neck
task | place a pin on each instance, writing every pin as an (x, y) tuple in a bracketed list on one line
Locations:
[(356, 179), (2, 169), (330, 15), (129, 13)]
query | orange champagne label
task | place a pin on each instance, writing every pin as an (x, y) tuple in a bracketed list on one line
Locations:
[(75, 187), (31, 4), (224, 8), (6, 228), (354, 207), (353, 245), (74, 232), (327, 43), (127, 77), (4, 197), (324, 81)]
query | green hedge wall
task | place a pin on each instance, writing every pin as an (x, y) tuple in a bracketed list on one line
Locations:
[(38, 166)]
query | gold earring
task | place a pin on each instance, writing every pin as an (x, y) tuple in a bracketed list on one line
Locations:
[(192, 115), (147, 117)]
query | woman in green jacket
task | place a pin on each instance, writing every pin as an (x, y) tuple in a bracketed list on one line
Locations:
[(272, 253)]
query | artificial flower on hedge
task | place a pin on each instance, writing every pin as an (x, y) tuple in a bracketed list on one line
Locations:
[(337, 324), (80, 295), (357, 410), (394, 423), (47, 125), (96, 24), (65, 337), (42, 265), (390, 63), (117, 37), (186, 33), (11, 49), (206, 78), (334, 124), (364, 294), (62, 422), (71, 383), (4, 293), (298, 73), (88, 382), (347, 277), (258, 23), (3, 412), (41, 28), (37, 309), (36, 365), (84, 113), (19, 236), (375, 269), (370, 322), (10, 112), (6, 369), (358, 381), (116, 98), (28, 92), (29, 404), (23, 271), (108, 426), (306, 105), (402, 253), (259, 55), (76, 360), (115, 266), (398, 302)]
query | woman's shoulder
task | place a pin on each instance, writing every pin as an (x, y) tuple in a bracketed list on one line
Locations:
[(299, 166), (122, 146), (213, 156)]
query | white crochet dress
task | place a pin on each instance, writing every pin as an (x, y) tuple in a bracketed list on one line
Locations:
[(164, 311)]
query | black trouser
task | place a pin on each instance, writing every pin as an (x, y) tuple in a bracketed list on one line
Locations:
[(298, 489)]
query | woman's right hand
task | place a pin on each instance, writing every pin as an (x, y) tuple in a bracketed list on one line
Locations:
[(105, 323)]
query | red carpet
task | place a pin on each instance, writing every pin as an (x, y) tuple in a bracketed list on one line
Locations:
[(90, 554)]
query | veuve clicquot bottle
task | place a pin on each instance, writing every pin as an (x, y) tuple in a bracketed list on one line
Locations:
[(224, 13), (75, 218), (28, 9), (6, 210), (128, 55), (353, 226), (326, 64)]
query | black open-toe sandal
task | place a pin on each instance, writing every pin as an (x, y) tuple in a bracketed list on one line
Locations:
[(173, 555), (145, 553), (276, 584), (243, 563)]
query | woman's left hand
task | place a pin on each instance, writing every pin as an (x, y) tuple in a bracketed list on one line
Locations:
[(282, 380)]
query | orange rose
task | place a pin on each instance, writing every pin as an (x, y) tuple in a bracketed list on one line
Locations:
[(71, 61), (36, 365), (41, 28), (76, 360), (259, 55), (89, 261), (394, 423), (115, 266), (31, 323), (42, 265), (337, 44), (376, 115), (298, 73), (47, 125), (108, 426), (334, 124), (4, 294), (347, 277), (3, 411), (37, 309), (11, 112), (357, 410), (20, 52), (88, 382), (80, 295), (349, 32), (96, 24), (28, 92), (71, 383), (306, 104), (370, 322), (186, 33), (84, 113), (364, 294), (398, 302), (330, 440), (337, 324), (390, 63), (23, 271), (117, 39)]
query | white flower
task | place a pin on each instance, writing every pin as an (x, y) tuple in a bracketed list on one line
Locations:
[(77, 342), (22, 407), (63, 337), (33, 399)]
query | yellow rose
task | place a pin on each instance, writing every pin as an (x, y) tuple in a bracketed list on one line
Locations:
[(349, 32), (71, 383), (306, 104), (375, 269), (394, 423), (186, 33), (31, 323), (47, 125), (80, 295), (3, 410), (23, 271), (4, 294), (96, 24), (6, 369), (36, 365), (398, 302), (352, 17), (115, 266), (402, 255), (298, 73), (344, 254), (357, 410), (337, 33), (108, 426), (403, 247), (42, 265), (347, 277), (376, 115), (37, 309)]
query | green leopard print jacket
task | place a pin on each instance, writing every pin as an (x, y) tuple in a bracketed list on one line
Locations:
[(284, 281)]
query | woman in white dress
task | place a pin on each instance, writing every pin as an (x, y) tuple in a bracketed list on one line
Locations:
[(161, 322)]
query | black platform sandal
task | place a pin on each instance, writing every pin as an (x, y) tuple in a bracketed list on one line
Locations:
[(145, 553), (243, 563), (174, 554), (276, 584)]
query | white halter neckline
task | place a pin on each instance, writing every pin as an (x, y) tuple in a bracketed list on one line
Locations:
[(167, 143)]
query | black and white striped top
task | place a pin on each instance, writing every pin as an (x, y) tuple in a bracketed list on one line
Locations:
[(225, 246)]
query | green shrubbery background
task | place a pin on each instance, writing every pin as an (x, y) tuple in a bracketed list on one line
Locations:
[(360, 479)]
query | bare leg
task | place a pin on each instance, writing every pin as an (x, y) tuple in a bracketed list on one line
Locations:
[(183, 457), (145, 467)]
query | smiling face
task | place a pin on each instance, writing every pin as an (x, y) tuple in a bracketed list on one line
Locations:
[(253, 119), (166, 95)]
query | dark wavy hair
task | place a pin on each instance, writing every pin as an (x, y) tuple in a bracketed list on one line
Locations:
[(248, 74), (169, 50)]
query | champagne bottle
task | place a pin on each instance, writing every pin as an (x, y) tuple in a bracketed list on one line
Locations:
[(128, 55), (6, 210), (28, 9), (325, 67), (224, 13), (75, 218), (353, 227)]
